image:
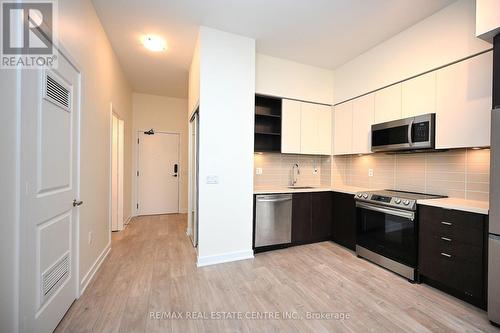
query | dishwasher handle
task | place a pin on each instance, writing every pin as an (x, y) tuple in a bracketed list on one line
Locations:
[(273, 200)]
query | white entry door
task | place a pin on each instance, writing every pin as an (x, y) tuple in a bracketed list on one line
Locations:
[(158, 174), (50, 114)]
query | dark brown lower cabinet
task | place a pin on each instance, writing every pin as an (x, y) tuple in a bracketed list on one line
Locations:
[(321, 203), (453, 252), (311, 217), (344, 220), (301, 218)]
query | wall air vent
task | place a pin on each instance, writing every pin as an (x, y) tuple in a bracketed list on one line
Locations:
[(55, 276), (57, 92)]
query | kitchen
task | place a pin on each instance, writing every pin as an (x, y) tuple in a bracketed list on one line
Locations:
[(399, 175), (253, 166)]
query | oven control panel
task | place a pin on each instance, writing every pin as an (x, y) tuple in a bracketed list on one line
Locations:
[(387, 200)]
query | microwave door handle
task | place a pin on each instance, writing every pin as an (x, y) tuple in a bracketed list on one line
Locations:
[(410, 127)]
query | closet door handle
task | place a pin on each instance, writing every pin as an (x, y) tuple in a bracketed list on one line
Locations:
[(77, 203)]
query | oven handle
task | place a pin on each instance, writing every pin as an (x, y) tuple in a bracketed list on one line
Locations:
[(391, 211)]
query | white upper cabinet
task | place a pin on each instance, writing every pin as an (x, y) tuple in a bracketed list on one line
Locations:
[(363, 116), (342, 142), (463, 103), (306, 128), (388, 104), (324, 116), (418, 95), (290, 126)]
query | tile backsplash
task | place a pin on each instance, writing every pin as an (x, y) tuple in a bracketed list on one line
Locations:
[(459, 173), (277, 170)]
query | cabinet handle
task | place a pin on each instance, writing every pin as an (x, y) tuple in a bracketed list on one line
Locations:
[(446, 239), (446, 255), (447, 223)]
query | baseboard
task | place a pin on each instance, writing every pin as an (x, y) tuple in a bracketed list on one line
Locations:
[(95, 267), (226, 257), (127, 220)]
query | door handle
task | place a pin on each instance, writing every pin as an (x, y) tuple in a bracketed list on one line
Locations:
[(174, 175), (77, 203)]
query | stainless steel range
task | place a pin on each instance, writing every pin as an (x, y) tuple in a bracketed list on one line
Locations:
[(387, 229)]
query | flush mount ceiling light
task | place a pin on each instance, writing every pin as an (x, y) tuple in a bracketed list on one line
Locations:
[(154, 43)]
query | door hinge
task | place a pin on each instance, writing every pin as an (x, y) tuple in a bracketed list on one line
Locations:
[(137, 206), (137, 173), (137, 141)]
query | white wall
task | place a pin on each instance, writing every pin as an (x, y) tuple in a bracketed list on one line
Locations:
[(103, 81), (487, 19), (194, 80), (9, 213), (166, 114), (285, 78), (445, 37), (227, 93)]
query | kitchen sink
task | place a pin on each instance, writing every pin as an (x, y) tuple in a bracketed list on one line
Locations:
[(300, 187)]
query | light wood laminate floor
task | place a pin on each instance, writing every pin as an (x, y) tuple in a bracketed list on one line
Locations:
[(151, 268)]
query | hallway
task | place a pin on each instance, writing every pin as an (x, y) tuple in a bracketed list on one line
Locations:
[(152, 268)]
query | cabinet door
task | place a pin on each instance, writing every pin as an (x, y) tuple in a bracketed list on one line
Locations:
[(363, 116), (308, 129), (290, 126), (463, 103), (324, 131), (388, 104), (344, 220), (301, 218), (342, 136), (418, 95), (321, 216)]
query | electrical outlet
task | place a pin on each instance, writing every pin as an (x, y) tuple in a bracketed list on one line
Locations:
[(370, 172), (258, 171), (90, 237), (212, 179)]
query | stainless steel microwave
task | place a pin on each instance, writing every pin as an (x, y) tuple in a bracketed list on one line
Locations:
[(414, 133)]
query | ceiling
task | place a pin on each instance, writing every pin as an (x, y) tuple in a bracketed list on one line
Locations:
[(324, 33)]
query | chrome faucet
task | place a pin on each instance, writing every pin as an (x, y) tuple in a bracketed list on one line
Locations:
[(295, 174)]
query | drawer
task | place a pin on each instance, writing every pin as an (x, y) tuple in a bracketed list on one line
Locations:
[(466, 254), (458, 226), (456, 265)]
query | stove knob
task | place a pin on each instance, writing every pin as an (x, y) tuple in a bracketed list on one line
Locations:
[(359, 195), (406, 202), (365, 196), (397, 201)]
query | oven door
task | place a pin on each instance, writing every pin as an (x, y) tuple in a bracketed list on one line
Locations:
[(389, 232)]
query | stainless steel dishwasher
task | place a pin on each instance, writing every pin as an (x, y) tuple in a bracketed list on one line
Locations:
[(273, 219)]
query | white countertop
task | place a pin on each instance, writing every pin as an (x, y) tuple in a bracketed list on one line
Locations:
[(480, 207), (284, 189), (350, 189)]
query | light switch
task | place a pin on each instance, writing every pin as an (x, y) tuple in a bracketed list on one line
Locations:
[(212, 180), (258, 171)]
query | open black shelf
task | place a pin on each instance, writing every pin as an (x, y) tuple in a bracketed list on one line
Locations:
[(267, 124)]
